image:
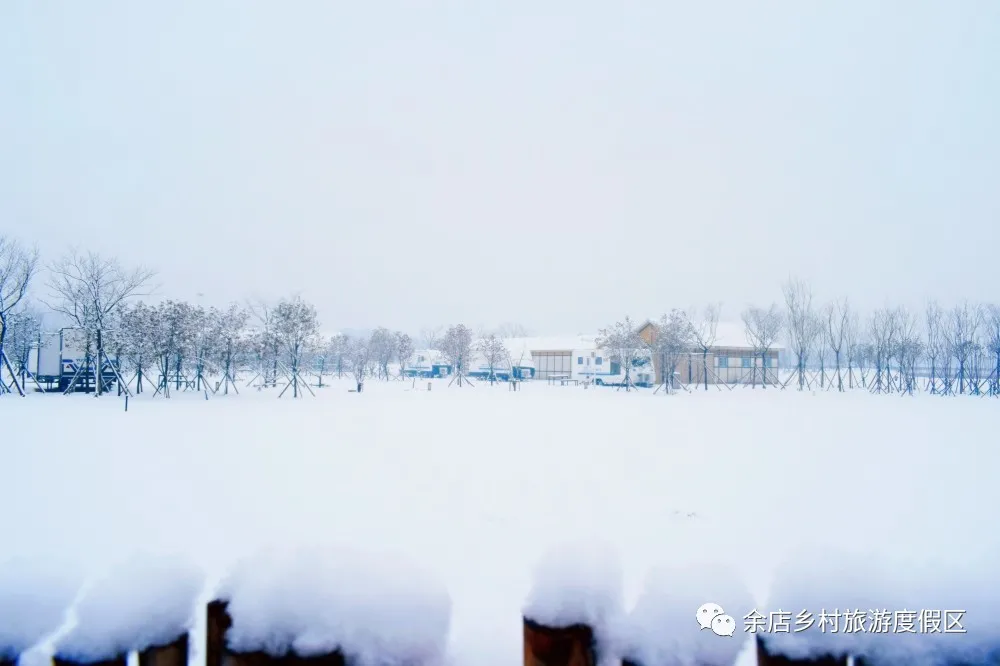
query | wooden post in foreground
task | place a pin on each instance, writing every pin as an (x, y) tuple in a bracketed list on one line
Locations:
[(562, 646), (171, 654), (215, 634), (217, 654), (765, 658)]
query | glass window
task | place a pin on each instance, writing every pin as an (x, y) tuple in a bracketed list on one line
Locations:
[(747, 361), (598, 361), (579, 360), (723, 361)]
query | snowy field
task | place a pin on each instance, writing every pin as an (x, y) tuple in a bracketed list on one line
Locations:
[(475, 485)]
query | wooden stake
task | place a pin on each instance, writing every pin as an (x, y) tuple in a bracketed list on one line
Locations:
[(564, 646)]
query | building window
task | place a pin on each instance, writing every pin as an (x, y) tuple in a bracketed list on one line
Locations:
[(747, 361), (598, 361), (722, 361), (616, 368), (579, 360), (768, 362), (552, 363)]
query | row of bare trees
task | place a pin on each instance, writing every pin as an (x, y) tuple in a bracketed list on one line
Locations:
[(172, 345), (175, 345), (943, 351)]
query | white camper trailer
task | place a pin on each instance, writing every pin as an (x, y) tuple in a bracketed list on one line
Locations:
[(596, 366), (61, 361)]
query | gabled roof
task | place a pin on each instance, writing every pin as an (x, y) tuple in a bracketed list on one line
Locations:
[(728, 335)]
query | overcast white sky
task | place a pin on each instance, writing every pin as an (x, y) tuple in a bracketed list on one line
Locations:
[(560, 164)]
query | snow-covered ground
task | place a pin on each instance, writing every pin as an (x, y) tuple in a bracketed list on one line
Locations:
[(474, 486)]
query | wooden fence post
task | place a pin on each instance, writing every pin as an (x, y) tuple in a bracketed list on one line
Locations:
[(766, 658), (172, 654), (218, 624), (217, 654), (558, 646)]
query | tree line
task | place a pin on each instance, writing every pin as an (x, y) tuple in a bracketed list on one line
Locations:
[(174, 345)]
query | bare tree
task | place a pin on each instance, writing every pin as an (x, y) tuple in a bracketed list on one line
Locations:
[(704, 331), (494, 353), (89, 289), (231, 342), (993, 346), (936, 344), (803, 326), (672, 341), (907, 350), (139, 325), (339, 351), (838, 317), (204, 343), (18, 266), (762, 328), (265, 343), (456, 347), (358, 354), (623, 345), (883, 331), (864, 357), (404, 350), (431, 337), (24, 328), (961, 333), (852, 344), (174, 343), (382, 347), (296, 329)]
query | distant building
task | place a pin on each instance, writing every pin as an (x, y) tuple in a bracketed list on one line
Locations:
[(515, 364), (427, 363), (576, 358), (730, 360)]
